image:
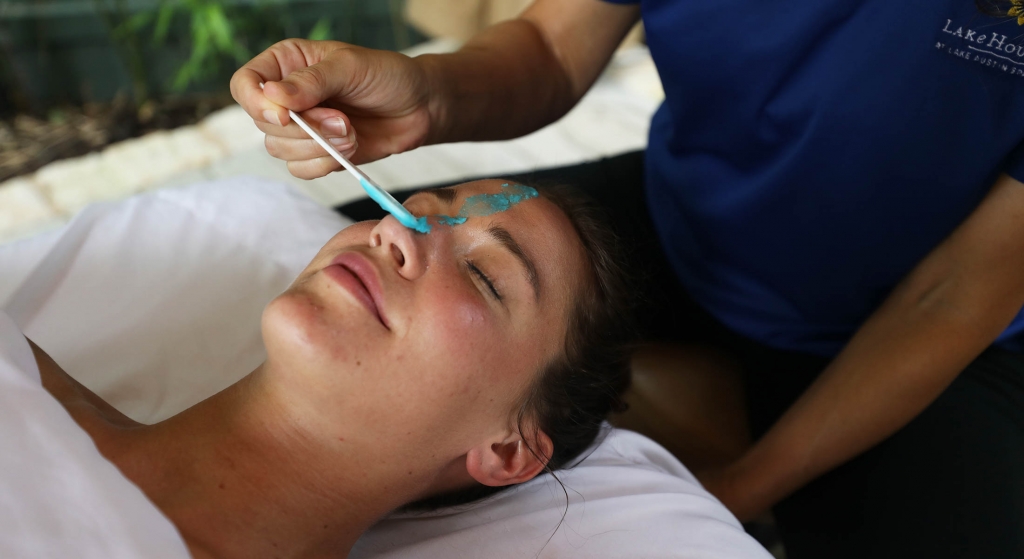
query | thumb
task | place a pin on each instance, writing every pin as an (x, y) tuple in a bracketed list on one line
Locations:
[(304, 88)]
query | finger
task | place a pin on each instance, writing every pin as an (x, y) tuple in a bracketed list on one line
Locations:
[(308, 86), (245, 88), (272, 64), (389, 136), (314, 168), (292, 130), (330, 123), (289, 149)]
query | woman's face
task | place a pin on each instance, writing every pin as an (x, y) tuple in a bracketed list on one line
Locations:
[(401, 339)]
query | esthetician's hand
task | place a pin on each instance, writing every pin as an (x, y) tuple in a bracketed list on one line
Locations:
[(339, 89)]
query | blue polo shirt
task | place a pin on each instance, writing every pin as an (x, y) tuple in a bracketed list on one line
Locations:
[(809, 154)]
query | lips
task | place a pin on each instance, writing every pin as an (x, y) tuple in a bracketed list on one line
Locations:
[(357, 275)]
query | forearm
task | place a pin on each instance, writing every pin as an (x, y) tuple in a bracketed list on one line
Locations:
[(943, 315), (521, 75), (504, 83), (891, 371)]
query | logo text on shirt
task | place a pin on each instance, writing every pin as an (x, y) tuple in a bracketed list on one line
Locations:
[(994, 50)]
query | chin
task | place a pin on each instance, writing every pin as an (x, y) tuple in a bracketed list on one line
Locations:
[(295, 324)]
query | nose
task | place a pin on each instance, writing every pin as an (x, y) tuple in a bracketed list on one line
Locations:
[(401, 245)]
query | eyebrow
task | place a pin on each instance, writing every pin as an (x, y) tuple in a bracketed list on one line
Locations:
[(445, 194), (506, 240)]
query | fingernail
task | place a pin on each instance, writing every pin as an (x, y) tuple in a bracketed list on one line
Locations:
[(339, 142), (335, 127), (271, 117)]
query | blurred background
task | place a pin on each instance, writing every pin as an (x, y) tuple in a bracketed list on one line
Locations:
[(78, 74), (103, 99)]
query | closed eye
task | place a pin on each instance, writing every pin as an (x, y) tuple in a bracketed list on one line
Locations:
[(483, 277)]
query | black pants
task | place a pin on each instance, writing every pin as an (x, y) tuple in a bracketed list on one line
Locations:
[(949, 484)]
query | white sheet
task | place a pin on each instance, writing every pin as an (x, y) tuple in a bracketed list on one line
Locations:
[(154, 303), (58, 496)]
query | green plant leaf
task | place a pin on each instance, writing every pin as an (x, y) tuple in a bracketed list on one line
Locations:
[(199, 59), (200, 38), (131, 25), (321, 31), (220, 28), (163, 21), (183, 77)]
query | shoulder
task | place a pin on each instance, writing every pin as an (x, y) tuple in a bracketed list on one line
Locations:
[(89, 411), (52, 472)]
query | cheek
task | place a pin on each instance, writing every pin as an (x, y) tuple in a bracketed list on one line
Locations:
[(461, 328), (467, 358)]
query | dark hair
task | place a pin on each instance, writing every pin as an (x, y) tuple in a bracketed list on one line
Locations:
[(586, 382), (577, 391)]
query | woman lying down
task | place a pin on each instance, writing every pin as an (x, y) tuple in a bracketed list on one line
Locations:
[(400, 368)]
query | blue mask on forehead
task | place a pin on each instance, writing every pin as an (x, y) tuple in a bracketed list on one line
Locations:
[(487, 204)]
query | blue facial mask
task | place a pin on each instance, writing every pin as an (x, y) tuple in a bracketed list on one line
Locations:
[(487, 204)]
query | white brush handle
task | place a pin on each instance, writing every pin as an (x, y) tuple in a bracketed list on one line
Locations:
[(330, 149), (391, 205)]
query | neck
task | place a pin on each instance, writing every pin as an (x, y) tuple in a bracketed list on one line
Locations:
[(240, 477)]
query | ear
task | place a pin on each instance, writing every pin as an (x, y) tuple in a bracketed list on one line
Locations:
[(509, 461)]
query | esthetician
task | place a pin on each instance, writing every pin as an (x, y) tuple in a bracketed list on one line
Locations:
[(835, 185)]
